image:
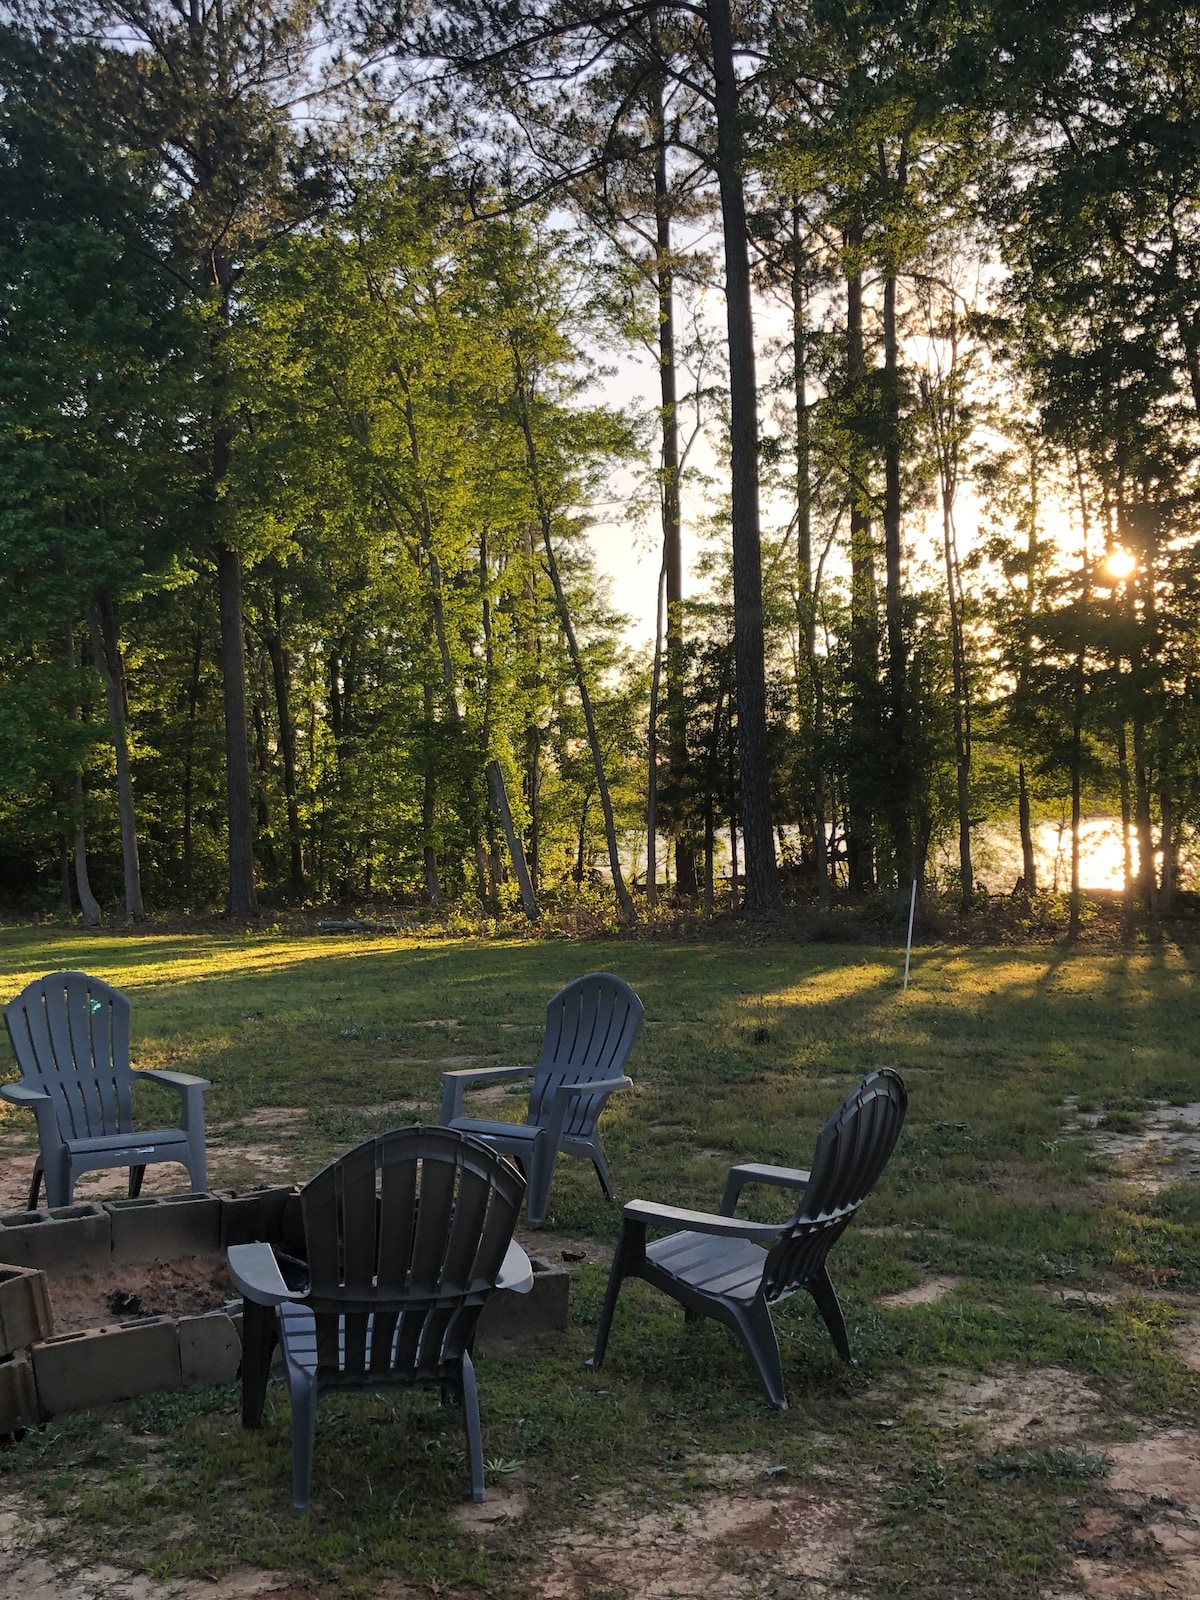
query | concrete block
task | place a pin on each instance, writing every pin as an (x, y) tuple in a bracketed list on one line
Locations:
[(164, 1228), (60, 1242), (24, 1308), (210, 1349), (256, 1214), (78, 1371), (18, 1394), (508, 1316)]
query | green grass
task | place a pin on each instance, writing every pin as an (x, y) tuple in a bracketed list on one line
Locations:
[(748, 1047)]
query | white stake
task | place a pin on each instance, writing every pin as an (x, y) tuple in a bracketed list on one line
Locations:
[(912, 911)]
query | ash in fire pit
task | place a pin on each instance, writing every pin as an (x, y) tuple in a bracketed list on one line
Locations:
[(182, 1288)]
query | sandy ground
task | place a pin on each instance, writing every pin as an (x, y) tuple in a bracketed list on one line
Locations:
[(753, 1528)]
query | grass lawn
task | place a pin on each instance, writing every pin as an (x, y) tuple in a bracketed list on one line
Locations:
[(987, 1439)]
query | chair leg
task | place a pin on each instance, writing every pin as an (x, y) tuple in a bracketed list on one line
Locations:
[(628, 1258), (470, 1405), (197, 1164), (260, 1333), (136, 1174), (35, 1185), (824, 1294), (304, 1439), (601, 1166), (757, 1333), (540, 1172)]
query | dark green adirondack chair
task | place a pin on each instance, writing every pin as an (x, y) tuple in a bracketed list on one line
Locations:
[(406, 1237), (591, 1026), (70, 1035), (719, 1266)]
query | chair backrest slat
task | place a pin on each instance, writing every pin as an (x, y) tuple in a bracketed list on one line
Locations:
[(70, 1037), (852, 1150), (591, 1027), (406, 1234)]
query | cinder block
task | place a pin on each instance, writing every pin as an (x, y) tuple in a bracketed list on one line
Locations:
[(60, 1242), (163, 1229), (18, 1394), (510, 1316), (24, 1308), (210, 1349), (77, 1371), (257, 1214)]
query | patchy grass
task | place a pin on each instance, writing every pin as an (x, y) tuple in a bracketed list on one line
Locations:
[(1055, 1264)]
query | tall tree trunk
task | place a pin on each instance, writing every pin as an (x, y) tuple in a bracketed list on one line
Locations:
[(106, 648), (1126, 811), (672, 520), (242, 900), (809, 685), (428, 809), (864, 625), (1073, 921), (1168, 845), (189, 766), (761, 875), (901, 746), (624, 901), (652, 750), (88, 904), (516, 853), (281, 676), (1028, 855)]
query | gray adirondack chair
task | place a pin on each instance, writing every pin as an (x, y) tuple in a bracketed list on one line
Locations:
[(719, 1266), (591, 1026), (70, 1035), (407, 1235)]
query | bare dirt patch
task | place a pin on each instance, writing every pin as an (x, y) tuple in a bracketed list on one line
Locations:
[(182, 1288), (1146, 1546), (927, 1293), (718, 1549), (1016, 1407), (1164, 1150), (28, 1571)]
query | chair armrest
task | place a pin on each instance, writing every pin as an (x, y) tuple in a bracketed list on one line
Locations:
[(566, 1092), (19, 1094), (516, 1270), (256, 1273), (175, 1080), (758, 1172), (191, 1091), (646, 1212), (455, 1083)]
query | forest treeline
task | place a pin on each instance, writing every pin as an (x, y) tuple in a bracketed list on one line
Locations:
[(304, 315)]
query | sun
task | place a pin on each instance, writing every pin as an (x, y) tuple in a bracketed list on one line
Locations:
[(1120, 563)]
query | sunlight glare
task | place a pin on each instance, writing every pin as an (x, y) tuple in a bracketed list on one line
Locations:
[(1120, 563)]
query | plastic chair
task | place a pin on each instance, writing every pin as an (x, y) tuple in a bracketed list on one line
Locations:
[(407, 1235), (719, 1266), (70, 1035), (591, 1026)]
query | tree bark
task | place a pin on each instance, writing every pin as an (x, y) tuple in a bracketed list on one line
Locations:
[(624, 901), (516, 853), (864, 626), (281, 675), (88, 904), (761, 877), (106, 648), (242, 900), (1028, 856), (672, 520), (901, 753)]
